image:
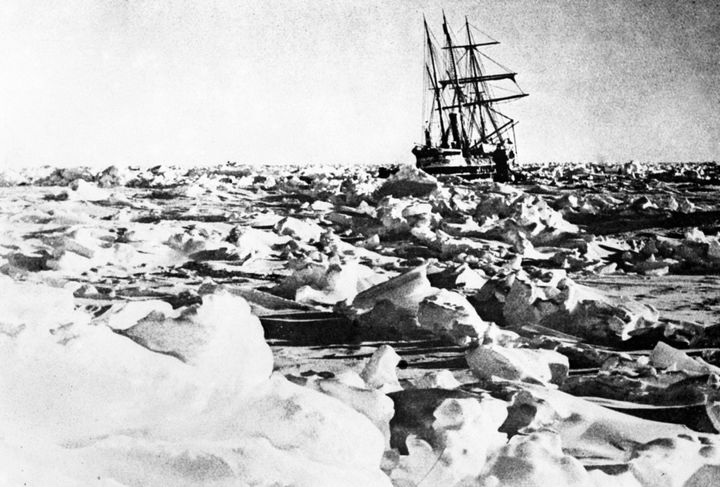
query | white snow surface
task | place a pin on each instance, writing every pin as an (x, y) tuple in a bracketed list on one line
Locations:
[(84, 405)]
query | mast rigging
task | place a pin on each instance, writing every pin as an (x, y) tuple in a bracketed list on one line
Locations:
[(463, 106)]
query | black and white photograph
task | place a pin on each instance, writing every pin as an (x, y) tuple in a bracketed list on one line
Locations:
[(359, 243)]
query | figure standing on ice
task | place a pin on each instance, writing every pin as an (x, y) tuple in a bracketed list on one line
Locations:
[(502, 168)]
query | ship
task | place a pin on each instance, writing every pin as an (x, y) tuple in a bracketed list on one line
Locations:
[(464, 132)]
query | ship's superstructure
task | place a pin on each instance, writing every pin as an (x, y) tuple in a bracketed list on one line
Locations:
[(464, 132)]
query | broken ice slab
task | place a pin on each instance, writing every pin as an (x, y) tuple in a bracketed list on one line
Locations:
[(400, 216), (537, 365), (222, 253), (447, 313), (371, 403), (303, 230), (358, 222), (124, 315), (536, 459), (32, 262), (441, 379), (388, 319), (652, 267), (409, 304), (588, 431), (464, 436), (414, 410), (526, 215), (263, 303), (666, 357), (379, 371), (405, 291), (458, 277), (81, 190), (408, 181), (554, 301), (341, 282), (232, 272), (679, 461), (325, 281), (700, 415)]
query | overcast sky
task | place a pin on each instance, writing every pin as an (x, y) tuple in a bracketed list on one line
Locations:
[(146, 82)]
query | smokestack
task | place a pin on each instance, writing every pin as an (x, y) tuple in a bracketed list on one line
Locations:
[(454, 128)]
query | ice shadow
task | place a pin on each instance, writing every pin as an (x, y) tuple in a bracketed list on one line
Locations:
[(336, 332), (609, 223)]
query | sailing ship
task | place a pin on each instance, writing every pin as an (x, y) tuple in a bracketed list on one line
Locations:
[(464, 132)]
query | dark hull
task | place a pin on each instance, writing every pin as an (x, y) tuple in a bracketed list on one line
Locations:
[(451, 161)]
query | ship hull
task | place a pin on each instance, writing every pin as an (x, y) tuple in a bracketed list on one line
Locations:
[(434, 160)]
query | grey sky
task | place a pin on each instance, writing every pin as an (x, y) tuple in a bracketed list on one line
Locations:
[(140, 81)]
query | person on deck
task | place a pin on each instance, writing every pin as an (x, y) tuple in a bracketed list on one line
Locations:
[(510, 152), (502, 169)]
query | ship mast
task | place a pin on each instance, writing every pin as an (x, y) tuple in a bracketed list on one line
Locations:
[(467, 108), (459, 96), (475, 73), (478, 81), (432, 74)]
